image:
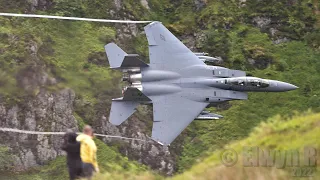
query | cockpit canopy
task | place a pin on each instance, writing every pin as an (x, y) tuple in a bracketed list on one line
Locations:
[(248, 82)]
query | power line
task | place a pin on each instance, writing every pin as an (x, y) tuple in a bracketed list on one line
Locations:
[(62, 133), (72, 18)]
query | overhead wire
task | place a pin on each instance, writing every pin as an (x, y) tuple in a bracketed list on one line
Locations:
[(72, 18), (62, 133)]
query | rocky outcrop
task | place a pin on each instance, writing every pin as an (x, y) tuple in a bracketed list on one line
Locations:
[(280, 40), (145, 4), (46, 112), (39, 4), (118, 4), (147, 152), (261, 22), (200, 4), (53, 112), (138, 126)]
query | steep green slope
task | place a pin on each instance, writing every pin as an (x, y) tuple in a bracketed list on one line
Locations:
[(277, 133), (229, 32), (243, 116)]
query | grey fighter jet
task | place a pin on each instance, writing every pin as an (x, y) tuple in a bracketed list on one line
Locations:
[(178, 84)]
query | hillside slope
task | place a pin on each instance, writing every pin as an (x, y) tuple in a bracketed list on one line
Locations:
[(277, 133), (109, 161)]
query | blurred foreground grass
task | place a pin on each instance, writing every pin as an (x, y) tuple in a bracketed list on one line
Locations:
[(278, 133)]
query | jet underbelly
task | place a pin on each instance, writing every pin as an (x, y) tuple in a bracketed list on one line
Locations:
[(218, 95), (236, 95)]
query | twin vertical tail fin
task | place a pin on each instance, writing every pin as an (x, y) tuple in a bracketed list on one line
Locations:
[(118, 59), (123, 108)]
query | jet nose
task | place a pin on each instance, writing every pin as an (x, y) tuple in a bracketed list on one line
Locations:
[(283, 86)]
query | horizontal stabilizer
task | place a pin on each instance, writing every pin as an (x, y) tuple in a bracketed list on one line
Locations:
[(120, 59), (121, 111)]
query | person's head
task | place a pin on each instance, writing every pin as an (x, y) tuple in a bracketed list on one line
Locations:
[(88, 130), (70, 136)]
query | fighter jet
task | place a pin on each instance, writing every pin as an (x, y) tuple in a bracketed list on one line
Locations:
[(178, 84)]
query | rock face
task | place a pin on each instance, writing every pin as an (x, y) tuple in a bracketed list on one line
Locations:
[(46, 112), (270, 26), (117, 4), (147, 152), (200, 4), (261, 22), (53, 112), (39, 4), (145, 4)]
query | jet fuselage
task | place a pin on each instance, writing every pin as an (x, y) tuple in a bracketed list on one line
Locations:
[(213, 84)]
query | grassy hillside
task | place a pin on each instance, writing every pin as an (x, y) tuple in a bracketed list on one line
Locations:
[(232, 33), (277, 133), (109, 160), (244, 115)]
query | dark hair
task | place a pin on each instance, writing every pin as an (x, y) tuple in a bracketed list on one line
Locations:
[(70, 137)]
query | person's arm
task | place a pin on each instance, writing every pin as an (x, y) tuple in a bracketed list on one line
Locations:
[(93, 156), (95, 163), (64, 146)]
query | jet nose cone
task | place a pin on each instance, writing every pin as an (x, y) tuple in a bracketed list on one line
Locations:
[(287, 86)]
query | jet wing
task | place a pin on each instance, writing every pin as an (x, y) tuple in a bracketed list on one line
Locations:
[(171, 115), (166, 51)]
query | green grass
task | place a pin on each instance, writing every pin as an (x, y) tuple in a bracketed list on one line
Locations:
[(109, 160), (277, 133)]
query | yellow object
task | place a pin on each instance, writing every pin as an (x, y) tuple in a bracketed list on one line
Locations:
[(88, 150)]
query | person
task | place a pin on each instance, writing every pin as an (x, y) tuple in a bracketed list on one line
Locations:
[(72, 147), (88, 152)]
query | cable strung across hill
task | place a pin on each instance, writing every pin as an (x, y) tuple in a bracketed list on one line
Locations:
[(72, 18), (62, 133)]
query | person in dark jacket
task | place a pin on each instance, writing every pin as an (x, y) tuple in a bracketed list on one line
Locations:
[(72, 147)]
